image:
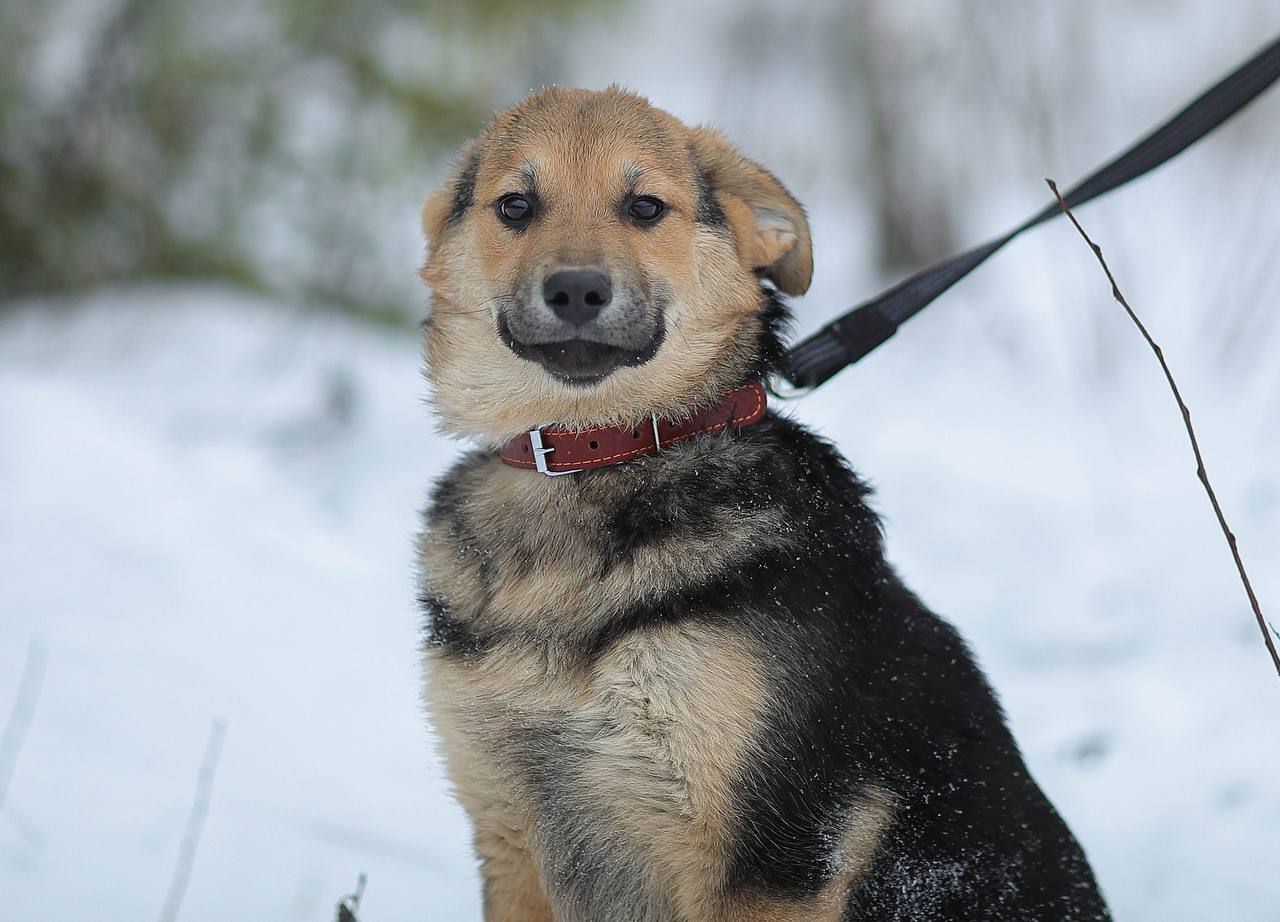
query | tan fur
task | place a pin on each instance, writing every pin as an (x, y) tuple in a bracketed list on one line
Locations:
[(512, 890), (689, 699), (582, 146), (664, 717), (544, 571), (769, 225)]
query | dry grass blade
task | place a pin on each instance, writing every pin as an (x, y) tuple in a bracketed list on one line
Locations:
[(349, 906), (1186, 420), (24, 709), (195, 822)]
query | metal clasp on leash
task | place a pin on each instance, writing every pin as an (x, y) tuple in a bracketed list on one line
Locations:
[(783, 388), (540, 453)]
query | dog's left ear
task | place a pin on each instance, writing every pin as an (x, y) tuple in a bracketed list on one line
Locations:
[(769, 226)]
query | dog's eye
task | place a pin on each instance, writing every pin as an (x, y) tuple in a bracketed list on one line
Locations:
[(515, 209), (646, 209)]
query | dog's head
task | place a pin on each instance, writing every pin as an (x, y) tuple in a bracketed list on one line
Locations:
[(594, 260)]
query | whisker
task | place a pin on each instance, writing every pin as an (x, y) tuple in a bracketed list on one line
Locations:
[(482, 309), (676, 327)]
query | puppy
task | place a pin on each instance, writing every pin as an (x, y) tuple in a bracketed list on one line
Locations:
[(672, 674)]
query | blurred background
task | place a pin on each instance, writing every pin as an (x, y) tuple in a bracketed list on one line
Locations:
[(213, 443)]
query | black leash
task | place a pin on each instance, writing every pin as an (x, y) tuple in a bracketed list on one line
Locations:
[(848, 338)]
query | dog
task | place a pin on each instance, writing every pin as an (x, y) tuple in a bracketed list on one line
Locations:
[(671, 673)]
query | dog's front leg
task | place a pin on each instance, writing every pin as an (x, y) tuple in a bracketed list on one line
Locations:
[(512, 891)]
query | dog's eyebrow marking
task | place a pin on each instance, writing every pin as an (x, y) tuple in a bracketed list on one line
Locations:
[(633, 174), (464, 190), (529, 173)]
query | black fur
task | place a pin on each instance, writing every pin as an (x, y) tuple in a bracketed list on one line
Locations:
[(775, 325), (464, 190), (442, 629), (708, 213), (879, 691)]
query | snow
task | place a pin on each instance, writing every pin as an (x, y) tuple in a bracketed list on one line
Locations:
[(196, 531), (207, 506)]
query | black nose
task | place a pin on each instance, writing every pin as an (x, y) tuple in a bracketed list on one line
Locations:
[(577, 295)]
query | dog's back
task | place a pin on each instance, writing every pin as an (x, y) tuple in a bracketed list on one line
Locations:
[(687, 686)]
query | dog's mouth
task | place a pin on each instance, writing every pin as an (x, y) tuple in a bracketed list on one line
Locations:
[(581, 362)]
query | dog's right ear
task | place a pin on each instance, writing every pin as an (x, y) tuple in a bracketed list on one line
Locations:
[(450, 203), (769, 226)]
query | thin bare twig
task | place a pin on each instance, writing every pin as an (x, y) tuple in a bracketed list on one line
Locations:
[(195, 822), (24, 709), (1186, 420), (349, 906)]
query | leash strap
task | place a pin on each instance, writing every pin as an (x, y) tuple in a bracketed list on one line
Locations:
[(850, 337)]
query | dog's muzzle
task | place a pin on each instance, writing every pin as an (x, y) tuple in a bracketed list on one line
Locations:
[(580, 330)]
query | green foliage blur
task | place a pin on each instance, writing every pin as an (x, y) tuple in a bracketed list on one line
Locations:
[(282, 145)]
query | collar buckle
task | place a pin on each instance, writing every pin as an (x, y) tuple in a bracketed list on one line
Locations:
[(540, 453)]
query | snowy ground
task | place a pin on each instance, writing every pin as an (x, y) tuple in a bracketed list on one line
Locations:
[(206, 508)]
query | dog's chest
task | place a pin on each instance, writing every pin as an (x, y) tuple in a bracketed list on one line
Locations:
[(506, 550), (624, 761), (670, 709)]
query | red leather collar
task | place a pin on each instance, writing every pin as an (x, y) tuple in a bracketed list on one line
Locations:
[(564, 451)]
